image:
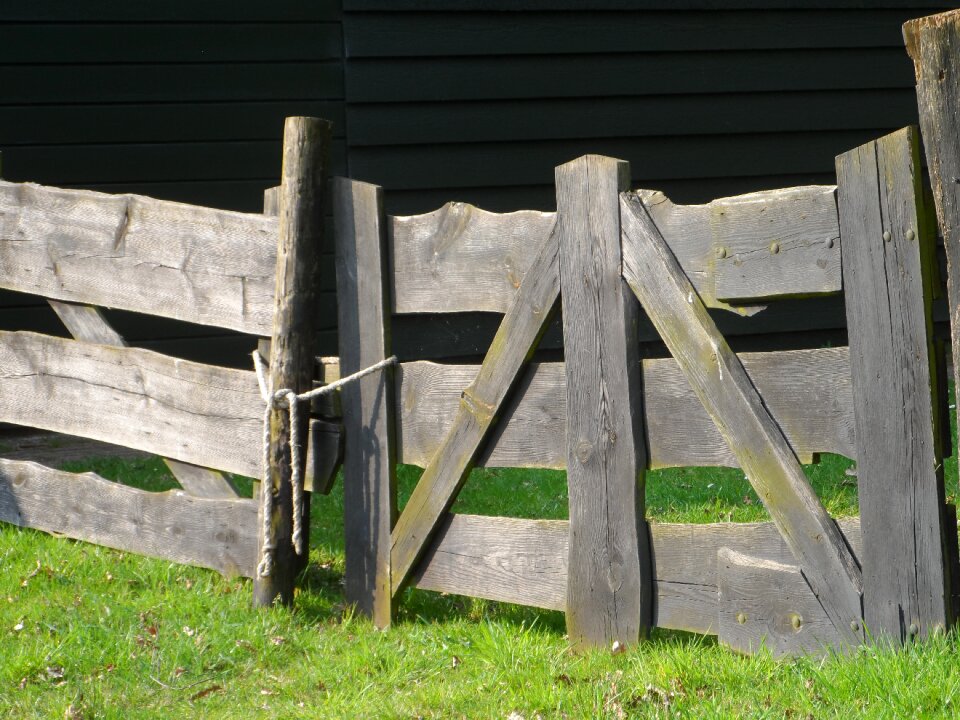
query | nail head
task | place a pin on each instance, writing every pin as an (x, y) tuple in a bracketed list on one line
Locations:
[(796, 622), (911, 235), (774, 247), (913, 630), (887, 236), (741, 618), (721, 253), (855, 626), (829, 243)]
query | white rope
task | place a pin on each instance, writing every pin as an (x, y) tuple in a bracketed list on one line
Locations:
[(275, 400)]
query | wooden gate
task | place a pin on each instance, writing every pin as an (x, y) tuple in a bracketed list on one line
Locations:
[(797, 584)]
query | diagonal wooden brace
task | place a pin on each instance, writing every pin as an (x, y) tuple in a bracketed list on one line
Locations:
[(723, 386), (516, 339)]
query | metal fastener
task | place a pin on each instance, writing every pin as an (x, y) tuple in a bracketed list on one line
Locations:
[(741, 618), (721, 253), (887, 236), (828, 243), (774, 247), (855, 626), (913, 630), (796, 622), (911, 235)]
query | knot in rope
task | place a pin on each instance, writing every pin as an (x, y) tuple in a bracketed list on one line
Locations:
[(277, 400)]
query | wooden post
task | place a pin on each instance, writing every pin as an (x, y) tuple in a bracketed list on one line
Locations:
[(369, 464), (306, 144), (887, 269), (609, 585)]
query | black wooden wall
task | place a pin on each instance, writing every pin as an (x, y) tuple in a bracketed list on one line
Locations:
[(438, 100)]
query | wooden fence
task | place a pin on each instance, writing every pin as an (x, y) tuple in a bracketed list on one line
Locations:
[(798, 583), (82, 250)]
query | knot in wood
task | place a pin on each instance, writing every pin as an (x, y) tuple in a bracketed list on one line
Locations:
[(584, 451)]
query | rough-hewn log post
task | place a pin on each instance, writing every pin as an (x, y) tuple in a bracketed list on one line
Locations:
[(306, 143), (609, 586)]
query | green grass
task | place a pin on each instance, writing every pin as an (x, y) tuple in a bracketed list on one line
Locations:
[(87, 632)]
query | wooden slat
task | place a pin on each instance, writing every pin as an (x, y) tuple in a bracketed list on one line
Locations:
[(767, 604), (87, 323), (200, 414), (609, 582), (807, 392), (525, 562), (480, 405), (887, 254), (212, 267), (461, 258), (218, 534), (724, 388), (369, 459)]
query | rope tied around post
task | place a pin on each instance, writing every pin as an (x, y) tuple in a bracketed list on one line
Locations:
[(285, 397)]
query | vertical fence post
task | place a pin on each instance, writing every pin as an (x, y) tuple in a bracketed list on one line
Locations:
[(609, 583), (888, 261), (369, 462), (306, 145)]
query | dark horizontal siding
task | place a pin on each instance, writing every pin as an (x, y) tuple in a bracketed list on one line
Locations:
[(180, 100), (521, 6)]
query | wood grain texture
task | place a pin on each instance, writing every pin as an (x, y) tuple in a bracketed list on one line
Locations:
[(218, 534), (609, 593), (306, 155), (461, 258), (777, 244), (324, 455), (767, 604), (87, 323), (807, 392), (369, 460), (933, 44), (200, 414), (212, 267), (525, 562), (722, 385), (481, 404), (887, 251)]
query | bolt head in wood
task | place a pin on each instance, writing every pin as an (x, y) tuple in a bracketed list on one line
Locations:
[(828, 243), (887, 236), (911, 235), (855, 626), (774, 247), (796, 622), (913, 630), (741, 618), (721, 253)]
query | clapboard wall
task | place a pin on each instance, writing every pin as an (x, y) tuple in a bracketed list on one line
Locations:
[(178, 99), (438, 100)]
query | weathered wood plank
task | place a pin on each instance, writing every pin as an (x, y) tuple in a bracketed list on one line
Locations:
[(212, 267), (887, 249), (525, 562), (609, 583), (306, 151), (369, 459), (764, 603), (324, 454), (461, 258), (776, 244), (724, 388), (480, 405), (218, 534), (807, 392), (200, 414), (87, 323)]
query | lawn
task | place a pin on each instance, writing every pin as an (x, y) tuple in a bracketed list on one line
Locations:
[(94, 633)]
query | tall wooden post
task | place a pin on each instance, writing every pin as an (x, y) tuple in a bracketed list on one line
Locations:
[(609, 583), (887, 266), (306, 143), (369, 460)]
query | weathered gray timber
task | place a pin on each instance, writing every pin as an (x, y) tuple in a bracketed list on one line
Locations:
[(887, 251), (87, 323), (721, 383), (525, 561), (218, 534), (725, 246), (480, 406), (369, 462), (461, 258), (324, 453), (212, 267), (609, 587), (806, 391), (765, 603), (306, 150), (200, 414)]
